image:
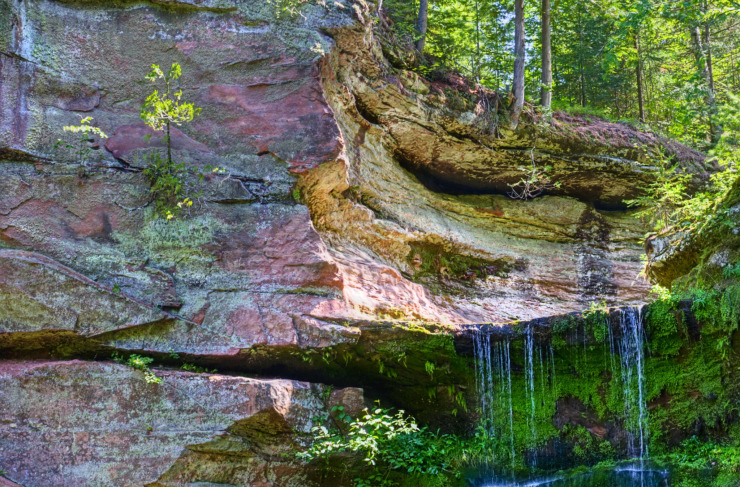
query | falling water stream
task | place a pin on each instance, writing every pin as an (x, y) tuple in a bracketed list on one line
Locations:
[(625, 361)]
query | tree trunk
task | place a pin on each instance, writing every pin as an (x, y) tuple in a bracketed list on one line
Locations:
[(421, 24), (580, 59), (546, 93), (476, 72), (169, 146), (518, 103), (640, 101), (702, 51), (714, 128)]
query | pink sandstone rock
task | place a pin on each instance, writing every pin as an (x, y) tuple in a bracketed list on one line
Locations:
[(87, 423)]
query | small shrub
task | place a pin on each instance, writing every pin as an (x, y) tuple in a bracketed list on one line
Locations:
[(161, 111), (388, 443), (81, 144), (535, 181)]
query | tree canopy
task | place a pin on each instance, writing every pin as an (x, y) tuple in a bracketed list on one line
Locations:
[(668, 63)]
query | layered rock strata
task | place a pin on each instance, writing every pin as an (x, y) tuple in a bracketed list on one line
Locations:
[(355, 196)]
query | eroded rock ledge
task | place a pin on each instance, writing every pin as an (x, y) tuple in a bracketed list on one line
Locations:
[(309, 101)]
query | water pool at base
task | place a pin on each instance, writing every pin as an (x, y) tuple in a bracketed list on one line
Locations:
[(622, 476)]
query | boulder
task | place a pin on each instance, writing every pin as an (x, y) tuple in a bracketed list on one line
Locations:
[(86, 423)]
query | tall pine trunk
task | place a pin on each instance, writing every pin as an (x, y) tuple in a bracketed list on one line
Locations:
[(700, 37), (421, 25), (546, 93), (638, 69), (714, 127), (518, 103), (476, 65)]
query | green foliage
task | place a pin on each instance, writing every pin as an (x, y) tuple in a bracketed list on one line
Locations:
[(700, 455), (666, 328), (596, 323), (596, 49), (588, 448), (388, 443), (704, 464), (719, 312), (161, 111), (141, 363), (81, 144), (667, 204), (429, 367), (662, 198), (167, 185), (197, 369)]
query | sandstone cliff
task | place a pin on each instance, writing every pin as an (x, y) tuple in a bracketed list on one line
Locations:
[(357, 195)]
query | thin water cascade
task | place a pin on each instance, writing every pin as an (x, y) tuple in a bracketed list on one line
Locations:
[(507, 361), (535, 385), (631, 346), (493, 379), (529, 371), (484, 378)]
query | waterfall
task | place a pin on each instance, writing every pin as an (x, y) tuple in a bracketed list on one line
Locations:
[(631, 345), (624, 343), (529, 371), (493, 380), (484, 378)]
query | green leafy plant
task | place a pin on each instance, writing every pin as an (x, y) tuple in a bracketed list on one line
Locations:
[(388, 443), (661, 199), (141, 363), (430, 367), (161, 111), (699, 455), (80, 145), (666, 203)]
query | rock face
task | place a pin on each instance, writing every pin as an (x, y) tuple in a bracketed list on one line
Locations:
[(704, 257), (389, 166), (83, 423), (355, 196)]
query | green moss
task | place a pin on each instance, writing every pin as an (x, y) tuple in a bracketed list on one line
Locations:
[(436, 260), (596, 325), (688, 383), (666, 328)]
